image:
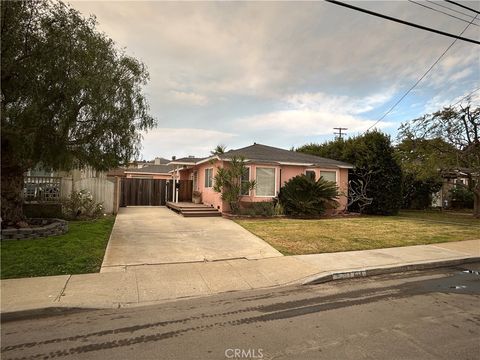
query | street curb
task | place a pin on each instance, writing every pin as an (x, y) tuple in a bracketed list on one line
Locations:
[(318, 278), (40, 313), (366, 272)]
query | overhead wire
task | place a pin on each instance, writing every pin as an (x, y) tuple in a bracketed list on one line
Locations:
[(462, 6), (436, 3), (458, 37), (440, 11), (420, 79)]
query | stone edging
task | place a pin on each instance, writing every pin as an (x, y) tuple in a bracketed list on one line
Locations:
[(56, 227)]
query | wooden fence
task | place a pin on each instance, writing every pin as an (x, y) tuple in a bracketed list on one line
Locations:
[(41, 189)]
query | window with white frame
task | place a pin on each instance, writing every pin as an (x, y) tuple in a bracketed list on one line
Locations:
[(310, 174), (244, 190), (265, 181), (329, 175), (209, 177)]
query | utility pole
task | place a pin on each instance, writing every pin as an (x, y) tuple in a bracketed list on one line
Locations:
[(340, 133)]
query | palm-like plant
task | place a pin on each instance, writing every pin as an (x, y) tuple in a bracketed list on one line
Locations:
[(302, 196), (219, 150), (228, 182)]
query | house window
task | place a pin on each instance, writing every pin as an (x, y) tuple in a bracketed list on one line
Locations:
[(265, 181), (310, 174), (329, 175), (209, 178), (244, 182)]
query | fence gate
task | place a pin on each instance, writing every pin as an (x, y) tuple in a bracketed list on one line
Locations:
[(142, 192), (153, 192)]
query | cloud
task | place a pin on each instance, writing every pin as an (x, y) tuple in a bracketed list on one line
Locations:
[(316, 114), (342, 104), (188, 98), (181, 142), (440, 101), (280, 72)]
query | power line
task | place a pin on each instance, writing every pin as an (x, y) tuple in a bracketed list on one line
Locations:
[(462, 6), (421, 78), (402, 21), (440, 11), (436, 3)]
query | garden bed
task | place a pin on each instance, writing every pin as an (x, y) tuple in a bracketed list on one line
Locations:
[(38, 228)]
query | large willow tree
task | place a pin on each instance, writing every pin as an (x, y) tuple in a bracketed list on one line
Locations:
[(70, 96)]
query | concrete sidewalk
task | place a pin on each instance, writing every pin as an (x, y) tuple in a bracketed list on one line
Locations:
[(148, 284)]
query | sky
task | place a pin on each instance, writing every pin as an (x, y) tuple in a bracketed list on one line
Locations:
[(286, 73)]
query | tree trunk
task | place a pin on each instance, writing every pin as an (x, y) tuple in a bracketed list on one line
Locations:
[(12, 194)]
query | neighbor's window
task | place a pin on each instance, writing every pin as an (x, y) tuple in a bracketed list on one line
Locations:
[(310, 174), (245, 179), (265, 181), (208, 178), (329, 175)]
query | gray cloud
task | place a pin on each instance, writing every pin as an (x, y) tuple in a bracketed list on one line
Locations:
[(214, 65)]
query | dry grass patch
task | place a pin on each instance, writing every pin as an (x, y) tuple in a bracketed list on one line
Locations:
[(296, 237)]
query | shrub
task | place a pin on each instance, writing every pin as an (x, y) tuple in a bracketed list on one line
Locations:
[(263, 208), (228, 182), (462, 198), (371, 153), (304, 197), (80, 205), (417, 193)]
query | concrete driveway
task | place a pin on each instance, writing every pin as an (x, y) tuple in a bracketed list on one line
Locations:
[(157, 235)]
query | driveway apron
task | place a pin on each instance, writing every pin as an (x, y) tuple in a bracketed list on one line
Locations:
[(157, 235)]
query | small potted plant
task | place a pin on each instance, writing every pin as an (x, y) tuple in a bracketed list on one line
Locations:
[(197, 197)]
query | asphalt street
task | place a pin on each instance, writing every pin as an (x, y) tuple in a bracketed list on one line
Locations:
[(416, 315)]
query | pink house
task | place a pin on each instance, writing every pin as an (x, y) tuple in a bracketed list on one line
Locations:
[(270, 167)]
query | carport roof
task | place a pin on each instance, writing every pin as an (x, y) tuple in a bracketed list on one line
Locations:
[(151, 169)]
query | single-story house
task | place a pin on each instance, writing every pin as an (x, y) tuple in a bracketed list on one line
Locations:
[(269, 166)]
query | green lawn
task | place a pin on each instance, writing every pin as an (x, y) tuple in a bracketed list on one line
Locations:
[(79, 251), (296, 237)]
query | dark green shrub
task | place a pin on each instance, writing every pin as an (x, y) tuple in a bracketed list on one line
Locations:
[(371, 153), (417, 193), (462, 198), (42, 210), (301, 196)]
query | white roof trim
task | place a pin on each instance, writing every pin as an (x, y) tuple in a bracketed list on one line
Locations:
[(295, 164), (215, 157), (181, 163), (145, 173)]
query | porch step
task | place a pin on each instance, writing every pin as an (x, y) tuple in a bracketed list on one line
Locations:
[(188, 213), (191, 210)]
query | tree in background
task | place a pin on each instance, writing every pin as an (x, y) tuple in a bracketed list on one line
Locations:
[(228, 181), (219, 150), (372, 154), (421, 160), (70, 97), (460, 129)]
